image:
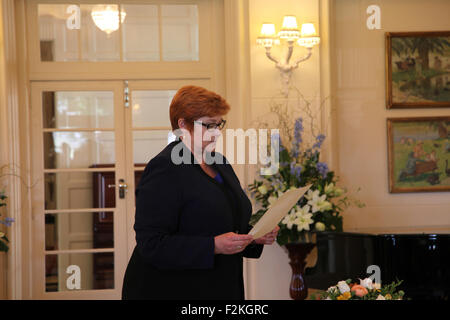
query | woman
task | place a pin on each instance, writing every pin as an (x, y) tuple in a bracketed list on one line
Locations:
[(192, 218)]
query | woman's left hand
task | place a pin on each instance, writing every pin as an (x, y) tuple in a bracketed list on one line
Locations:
[(269, 238)]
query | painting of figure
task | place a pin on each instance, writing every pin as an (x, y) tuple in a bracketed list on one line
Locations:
[(419, 154), (418, 69)]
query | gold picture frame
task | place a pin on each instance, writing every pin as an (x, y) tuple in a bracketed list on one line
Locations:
[(417, 69), (419, 154)]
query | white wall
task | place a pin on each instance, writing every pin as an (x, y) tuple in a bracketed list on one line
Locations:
[(359, 59)]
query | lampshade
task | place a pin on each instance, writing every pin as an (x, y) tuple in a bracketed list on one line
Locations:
[(289, 22), (309, 37), (267, 37), (106, 17), (308, 30), (289, 30), (268, 30)]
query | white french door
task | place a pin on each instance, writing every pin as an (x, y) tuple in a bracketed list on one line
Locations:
[(90, 142)]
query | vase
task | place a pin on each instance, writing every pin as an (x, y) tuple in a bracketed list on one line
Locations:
[(297, 254)]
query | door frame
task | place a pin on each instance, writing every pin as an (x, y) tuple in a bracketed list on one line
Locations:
[(38, 195)]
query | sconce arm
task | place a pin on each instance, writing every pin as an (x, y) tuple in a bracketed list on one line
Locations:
[(306, 57), (290, 51), (269, 55)]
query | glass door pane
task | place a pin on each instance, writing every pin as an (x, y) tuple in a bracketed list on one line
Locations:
[(150, 125), (58, 40), (118, 32), (141, 33)]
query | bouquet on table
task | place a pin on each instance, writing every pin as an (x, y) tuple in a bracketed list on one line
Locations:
[(365, 290), (320, 209)]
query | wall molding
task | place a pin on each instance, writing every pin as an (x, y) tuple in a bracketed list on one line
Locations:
[(10, 108)]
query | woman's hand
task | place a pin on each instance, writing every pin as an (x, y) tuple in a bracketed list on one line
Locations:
[(231, 243), (269, 238)]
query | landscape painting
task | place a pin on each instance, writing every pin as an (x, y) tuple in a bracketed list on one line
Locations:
[(418, 69), (419, 154)]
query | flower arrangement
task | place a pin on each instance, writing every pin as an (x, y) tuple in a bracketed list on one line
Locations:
[(6, 171), (365, 290), (320, 209), (7, 222)]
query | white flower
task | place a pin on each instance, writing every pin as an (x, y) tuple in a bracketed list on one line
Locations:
[(333, 191), (299, 217), (376, 286), (262, 189), (320, 226), (303, 211), (312, 194), (289, 220), (2, 234), (366, 283), (380, 297), (331, 289), (304, 218), (328, 298), (329, 189), (318, 203), (343, 286)]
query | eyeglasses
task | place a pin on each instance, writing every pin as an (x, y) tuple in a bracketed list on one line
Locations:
[(211, 126)]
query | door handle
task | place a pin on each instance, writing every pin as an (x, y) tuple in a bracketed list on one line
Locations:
[(123, 187)]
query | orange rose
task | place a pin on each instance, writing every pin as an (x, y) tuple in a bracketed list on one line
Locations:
[(359, 290), (347, 295)]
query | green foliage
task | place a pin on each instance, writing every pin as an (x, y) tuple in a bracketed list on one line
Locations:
[(412, 45)]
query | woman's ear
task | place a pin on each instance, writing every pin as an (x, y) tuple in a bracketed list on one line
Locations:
[(181, 123)]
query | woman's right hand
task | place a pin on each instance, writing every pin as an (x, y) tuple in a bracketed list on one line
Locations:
[(231, 243)]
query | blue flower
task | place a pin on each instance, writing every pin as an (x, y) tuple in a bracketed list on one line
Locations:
[(298, 129), (319, 140), (322, 167), (277, 184), (296, 169), (7, 222)]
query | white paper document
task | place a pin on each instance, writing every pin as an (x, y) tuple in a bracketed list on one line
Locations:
[(277, 211)]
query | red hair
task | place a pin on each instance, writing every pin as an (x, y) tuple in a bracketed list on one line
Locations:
[(192, 102)]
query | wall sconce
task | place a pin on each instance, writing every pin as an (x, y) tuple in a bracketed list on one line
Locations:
[(106, 17), (289, 32)]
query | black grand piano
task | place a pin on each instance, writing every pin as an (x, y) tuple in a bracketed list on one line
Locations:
[(422, 261)]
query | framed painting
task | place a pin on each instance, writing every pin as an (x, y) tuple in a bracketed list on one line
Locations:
[(419, 154), (418, 69)]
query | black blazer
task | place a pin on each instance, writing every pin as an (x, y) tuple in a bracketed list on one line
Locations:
[(179, 211)]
